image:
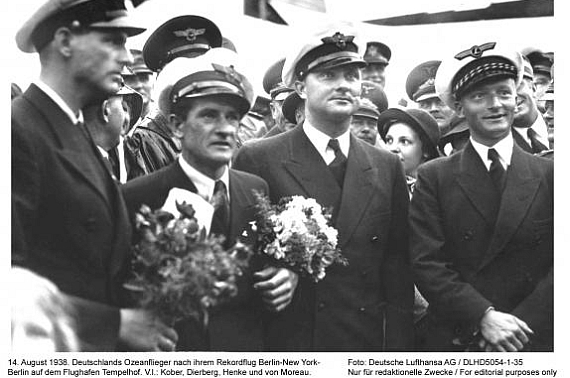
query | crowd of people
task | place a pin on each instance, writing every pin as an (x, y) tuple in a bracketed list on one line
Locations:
[(443, 203)]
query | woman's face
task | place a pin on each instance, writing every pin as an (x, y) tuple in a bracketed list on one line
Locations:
[(402, 140)]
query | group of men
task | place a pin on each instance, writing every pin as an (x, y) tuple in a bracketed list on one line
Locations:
[(477, 238)]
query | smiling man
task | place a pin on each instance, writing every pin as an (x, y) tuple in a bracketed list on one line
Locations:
[(482, 219), (366, 305), (206, 101)]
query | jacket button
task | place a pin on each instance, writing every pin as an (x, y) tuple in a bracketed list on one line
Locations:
[(374, 239), (321, 305), (364, 273), (468, 235), (362, 309)]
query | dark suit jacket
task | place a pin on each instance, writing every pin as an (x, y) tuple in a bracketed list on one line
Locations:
[(237, 325), (469, 253), (366, 305), (69, 221)]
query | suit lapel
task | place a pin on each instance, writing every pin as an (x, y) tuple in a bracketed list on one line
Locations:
[(309, 170), (241, 198), (476, 183), (73, 143), (357, 190), (519, 194), (521, 142)]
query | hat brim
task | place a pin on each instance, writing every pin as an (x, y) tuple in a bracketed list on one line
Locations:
[(384, 123)]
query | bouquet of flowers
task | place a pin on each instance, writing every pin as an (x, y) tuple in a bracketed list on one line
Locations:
[(296, 234), (178, 270)]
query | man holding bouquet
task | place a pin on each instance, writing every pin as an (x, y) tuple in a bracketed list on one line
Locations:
[(207, 97), (367, 304)]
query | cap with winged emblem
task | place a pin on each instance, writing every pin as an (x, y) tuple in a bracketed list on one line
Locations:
[(469, 67), (326, 49), (183, 36)]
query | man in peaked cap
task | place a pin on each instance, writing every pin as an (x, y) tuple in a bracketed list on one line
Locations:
[(69, 220), (529, 128), (153, 142), (482, 219), (420, 87), (364, 122), (273, 85), (140, 78), (377, 57), (541, 63), (366, 305), (207, 100)]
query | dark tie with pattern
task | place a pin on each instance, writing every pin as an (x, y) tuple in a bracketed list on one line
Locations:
[(534, 142), (221, 218), (497, 171), (338, 165)]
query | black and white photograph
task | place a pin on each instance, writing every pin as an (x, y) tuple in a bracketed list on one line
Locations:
[(274, 176)]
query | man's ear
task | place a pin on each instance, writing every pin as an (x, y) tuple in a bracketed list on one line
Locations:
[(300, 89), (62, 39), (176, 125), (104, 111)]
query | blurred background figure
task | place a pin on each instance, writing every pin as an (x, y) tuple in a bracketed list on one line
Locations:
[(421, 89), (140, 78), (529, 129), (413, 135), (541, 63), (293, 108), (364, 122), (377, 57), (42, 320), (273, 85), (375, 93), (107, 122), (456, 138)]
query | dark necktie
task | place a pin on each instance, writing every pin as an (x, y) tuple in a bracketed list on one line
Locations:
[(114, 159), (497, 171), (221, 218), (338, 165), (534, 142)]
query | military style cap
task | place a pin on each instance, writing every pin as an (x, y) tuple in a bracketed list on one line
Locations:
[(377, 53), (135, 101), (290, 105), (327, 49), (38, 31), (367, 109), (138, 65), (420, 120), (375, 93), (469, 67), (540, 61), (187, 36), (272, 82), (420, 84), (204, 76)]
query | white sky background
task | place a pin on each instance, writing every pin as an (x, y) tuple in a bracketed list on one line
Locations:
[(261, 43)]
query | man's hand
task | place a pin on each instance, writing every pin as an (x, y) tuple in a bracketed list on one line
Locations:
[(504, 332), (143, 331), (276, 286)]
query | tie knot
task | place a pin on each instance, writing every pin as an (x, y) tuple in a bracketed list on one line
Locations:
[(334, 145), (530, 132), (219, 188), (493, 155)]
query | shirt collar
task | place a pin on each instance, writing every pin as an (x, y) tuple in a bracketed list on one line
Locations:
[(321, 140), (504, 148), (75, 118), (541, 131), (204, 184)]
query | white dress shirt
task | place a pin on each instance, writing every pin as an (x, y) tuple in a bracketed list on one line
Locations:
[(504, 148), (203, 183), (539, 126), (321, 140), (75, 118)]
